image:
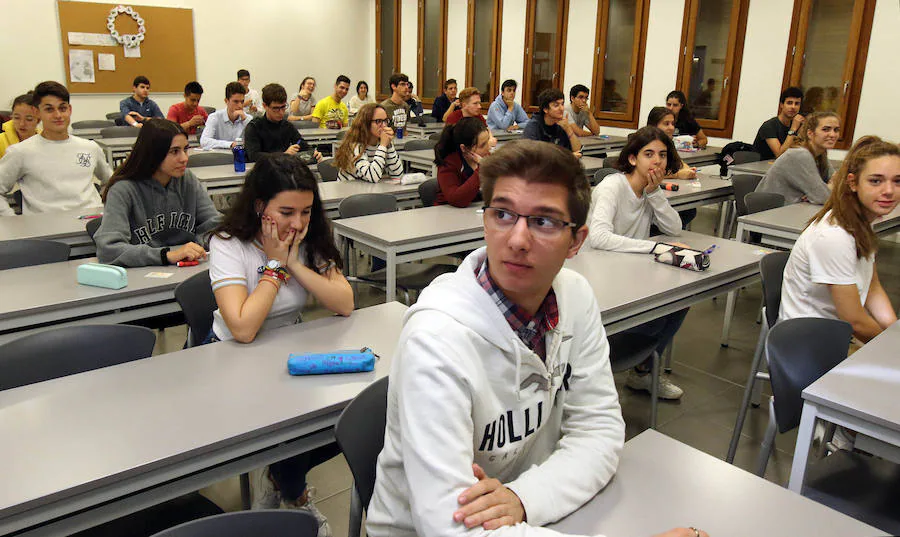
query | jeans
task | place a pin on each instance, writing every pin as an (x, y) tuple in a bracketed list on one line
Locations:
[(664, 329)]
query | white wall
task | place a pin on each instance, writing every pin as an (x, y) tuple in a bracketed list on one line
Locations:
[(276, 55)]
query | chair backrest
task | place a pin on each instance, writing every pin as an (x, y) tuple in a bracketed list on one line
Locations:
[(601, 174), (340, 135), (119, 132), (209, 159), (327, 170), (610, 162), (310, 124), (762, 201), (92, 226), (114, 116), (197, 301), (743, 184), (771, 270), (413, 145), (360, 435), (366, 204), (799, 352), (93, 124), (60, 352), (268, 523), (29, 252), (428, 118), (434, 136), (209, 109), (743, 157), (428, 192)]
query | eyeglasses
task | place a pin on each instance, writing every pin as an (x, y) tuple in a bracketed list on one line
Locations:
[(281, 108), (543, 226), (379, 122)]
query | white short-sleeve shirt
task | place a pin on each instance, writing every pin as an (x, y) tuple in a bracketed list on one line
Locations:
[(235, 262), (824, 254)]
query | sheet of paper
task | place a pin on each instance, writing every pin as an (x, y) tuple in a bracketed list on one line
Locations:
[(101, 40), (81, 65), (162, 275), (106, 62), (133, 52)]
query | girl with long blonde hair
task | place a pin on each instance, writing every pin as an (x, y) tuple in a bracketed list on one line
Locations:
[(367, 152)]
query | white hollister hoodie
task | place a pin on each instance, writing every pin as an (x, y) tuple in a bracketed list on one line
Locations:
[(464, 389)]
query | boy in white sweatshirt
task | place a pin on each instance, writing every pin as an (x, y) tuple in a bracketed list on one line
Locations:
[(502, 413)]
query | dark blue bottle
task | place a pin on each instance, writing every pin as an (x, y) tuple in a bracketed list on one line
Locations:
[(240, 156)]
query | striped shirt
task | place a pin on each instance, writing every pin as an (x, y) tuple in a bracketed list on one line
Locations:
[(378, 162)]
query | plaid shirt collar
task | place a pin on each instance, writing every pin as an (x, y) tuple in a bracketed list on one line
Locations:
[(530, 329)]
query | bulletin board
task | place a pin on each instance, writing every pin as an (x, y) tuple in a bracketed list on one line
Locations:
[(166, 54)]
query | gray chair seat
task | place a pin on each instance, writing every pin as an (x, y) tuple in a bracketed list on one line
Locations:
[(93, 124), (197, 301), (414, 145), (428, 192), (209, 159), (120, 132), (264, 523), (29, 252), (628, 350), (601, 174), (412, 275)]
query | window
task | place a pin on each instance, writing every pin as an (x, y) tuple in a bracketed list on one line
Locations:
[(432, 53), (545, 49), (619, 61), (387, 45), (483, 47), (826, 57), (712, 45)]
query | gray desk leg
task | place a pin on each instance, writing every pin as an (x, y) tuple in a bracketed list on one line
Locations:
[(245, 492), (801, 452), (720, 231), (109, 155), (729, 315), (391, 282)]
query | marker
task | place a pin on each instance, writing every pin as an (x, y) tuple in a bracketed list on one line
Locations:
[(709, 250), (90, 216), (188, 263), (670, 186)]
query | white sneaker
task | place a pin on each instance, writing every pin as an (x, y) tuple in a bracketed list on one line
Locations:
[(667, 390), (262, 490), (310, 506)]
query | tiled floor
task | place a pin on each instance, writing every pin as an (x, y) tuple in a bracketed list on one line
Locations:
[(713, 379)]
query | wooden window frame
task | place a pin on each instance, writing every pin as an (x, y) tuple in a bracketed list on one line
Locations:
[(562, 24), (630, 119), (854, 62), (496, 28), (442, 50), (723, 128), (379, 93)]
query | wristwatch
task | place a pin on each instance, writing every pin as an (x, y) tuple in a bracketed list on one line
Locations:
[(792, 132), (273, 264)]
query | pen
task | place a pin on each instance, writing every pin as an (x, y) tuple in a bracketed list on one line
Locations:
[(709, 250), (188, 263)]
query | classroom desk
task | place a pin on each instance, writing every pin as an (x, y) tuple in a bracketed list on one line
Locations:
[(116, 148), (96, 446), (860, 394), (706, 189), (92, 133), (46, 296), (602, 144), (503, 135), (424, 131), (423, 160), (662, 483), (64, 226), (762, 166), (315, 136), (701, 157), (221, 179)]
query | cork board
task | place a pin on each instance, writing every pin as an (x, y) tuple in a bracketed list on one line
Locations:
[(167, 52)]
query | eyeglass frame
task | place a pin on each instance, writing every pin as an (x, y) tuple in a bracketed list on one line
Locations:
[(528, 218)]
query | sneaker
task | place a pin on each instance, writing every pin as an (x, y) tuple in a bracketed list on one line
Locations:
[(262, 490), (667, 390), (307, 504)]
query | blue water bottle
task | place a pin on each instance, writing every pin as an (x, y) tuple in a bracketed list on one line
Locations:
[(398, 132), (240, 156)]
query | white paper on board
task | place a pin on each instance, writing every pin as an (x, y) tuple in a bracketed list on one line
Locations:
[(133, 52), (106, 62), (81, 66), (98, 40)]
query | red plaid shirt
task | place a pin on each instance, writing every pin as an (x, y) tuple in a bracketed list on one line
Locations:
[(530, 329)]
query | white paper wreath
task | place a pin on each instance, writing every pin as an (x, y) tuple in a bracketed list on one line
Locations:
[(128, 40)]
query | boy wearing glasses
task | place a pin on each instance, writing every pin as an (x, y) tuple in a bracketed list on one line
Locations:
[(579, 113), (501, 406), (271, 132)]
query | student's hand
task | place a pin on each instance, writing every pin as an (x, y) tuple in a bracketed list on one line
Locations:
[(387, 134), (655, 178), (489, 504), (252, 109), (136, 116), (797, 122), (318, 156), (475, 158), (577, 154), (680, 245), (187, 252), (273, 246), (683, 532), (294, 251), (196, 121), (566, 126), (513, 127), (686, 173), (454, 105), (510, 104), (292, 149)]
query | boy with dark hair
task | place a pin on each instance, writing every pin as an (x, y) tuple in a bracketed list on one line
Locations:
[(55, 171), (331, 111), (271, 132), (505, 113), (139, 106), (446, 100), (579, 113), (225, 126), (189, 114), (253, 102), (549, 123), (782, 132), (395, 105)]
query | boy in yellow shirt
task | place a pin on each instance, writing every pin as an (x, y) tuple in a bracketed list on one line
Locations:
[(330, 111)]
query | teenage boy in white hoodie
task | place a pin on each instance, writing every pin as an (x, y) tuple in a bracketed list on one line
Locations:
[(502, 413)]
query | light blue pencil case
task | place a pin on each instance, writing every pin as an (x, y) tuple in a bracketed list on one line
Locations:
[(100, 275), (323, 363)]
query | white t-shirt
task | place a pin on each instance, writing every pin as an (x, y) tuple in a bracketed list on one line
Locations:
[(824, 254), (255, 100), (235, 262)]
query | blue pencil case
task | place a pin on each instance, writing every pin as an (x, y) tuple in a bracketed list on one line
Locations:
[(324, 363)]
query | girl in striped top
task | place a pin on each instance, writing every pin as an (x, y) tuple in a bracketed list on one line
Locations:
[(367, 152)]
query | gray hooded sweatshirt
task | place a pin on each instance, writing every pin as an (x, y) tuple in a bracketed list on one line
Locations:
[(141, 217)]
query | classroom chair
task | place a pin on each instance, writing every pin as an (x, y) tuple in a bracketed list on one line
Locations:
[(743, 184), (114, 116), (610, 162), (197, 301), (209, 109), (360, 435), (428, 192), (93, 124), (435, 136), (59, 352), (417, 144), (209, 159), (310, 124), (743, 157), (628, 350), (29, 252), (427, 118), (125, 131), (92, 226), (327, 170), (340, 136), (601, 174), (771, 270), (266, 522)]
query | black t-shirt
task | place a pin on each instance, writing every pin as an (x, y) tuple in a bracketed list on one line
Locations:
[(536, 129), (440, 106), (772, 128), (686, 126), (264, 136)]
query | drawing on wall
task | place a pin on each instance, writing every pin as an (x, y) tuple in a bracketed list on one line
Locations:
[(106, 62), (81, 66)]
